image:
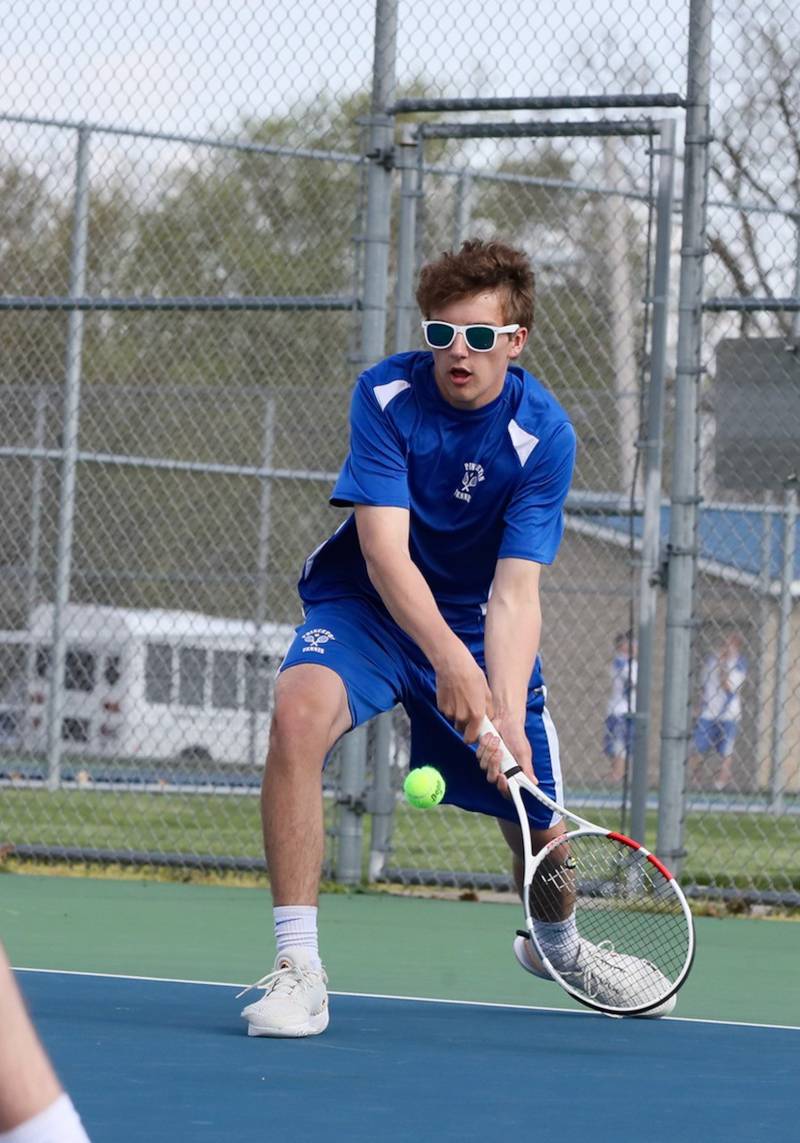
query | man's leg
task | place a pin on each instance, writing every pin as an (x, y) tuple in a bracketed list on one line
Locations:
[(704, 741), (553, 909), (723, 778), (614, 747), (695, 769), (725, 744), (311, 714), (617, 768), (513, 837)]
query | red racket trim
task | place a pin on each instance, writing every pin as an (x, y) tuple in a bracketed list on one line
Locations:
[(625, 840), (660, 867)]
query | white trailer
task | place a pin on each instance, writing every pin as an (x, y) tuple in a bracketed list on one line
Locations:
[(156, 684)]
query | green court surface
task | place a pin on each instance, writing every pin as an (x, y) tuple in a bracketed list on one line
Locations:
[(745, 969)]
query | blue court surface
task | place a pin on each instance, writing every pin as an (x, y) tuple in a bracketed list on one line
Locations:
[(161, 1060)]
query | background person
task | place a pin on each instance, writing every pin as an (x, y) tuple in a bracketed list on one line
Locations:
[(619, 724), (722, 678)]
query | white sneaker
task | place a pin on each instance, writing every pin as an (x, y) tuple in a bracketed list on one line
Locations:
[(618, 980), (612, 978), (528, 957), (295, 1002)]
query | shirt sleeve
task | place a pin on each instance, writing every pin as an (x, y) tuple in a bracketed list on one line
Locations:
[(534, 518), (375, 470)]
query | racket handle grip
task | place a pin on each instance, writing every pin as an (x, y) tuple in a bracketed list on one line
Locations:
[(508, 761)]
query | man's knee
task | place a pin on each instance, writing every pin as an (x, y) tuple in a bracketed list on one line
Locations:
[(311, 706)]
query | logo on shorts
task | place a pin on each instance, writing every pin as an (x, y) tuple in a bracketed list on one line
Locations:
[(315, 639), (473, 475)]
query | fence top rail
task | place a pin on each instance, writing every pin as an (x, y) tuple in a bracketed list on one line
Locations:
[(588, 128), (189, 303), (752, 305), (537, 103), (287, 151), (283, 149)]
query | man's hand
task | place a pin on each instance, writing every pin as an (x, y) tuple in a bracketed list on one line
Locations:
[(462, 692), (515, 738)]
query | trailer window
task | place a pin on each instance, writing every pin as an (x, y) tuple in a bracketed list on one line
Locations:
[(75, 729), (224, 681), (79, 669), (42, 662), (113, 670), (191, 676), (158, 673)]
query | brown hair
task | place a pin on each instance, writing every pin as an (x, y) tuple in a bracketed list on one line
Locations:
[(479, 266)]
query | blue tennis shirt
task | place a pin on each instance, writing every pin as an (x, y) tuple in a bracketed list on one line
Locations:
[(480, 485)]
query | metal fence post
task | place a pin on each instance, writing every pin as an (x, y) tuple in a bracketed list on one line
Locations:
[(69, 453), (796, 313), (652, 448), (764, 608), (262, 568), (405, 307), (777, 776), (379, 185), (683, 514), (462, 208), (622, 317), (351, 805), (381, 803), (33, 585), (377, 238)]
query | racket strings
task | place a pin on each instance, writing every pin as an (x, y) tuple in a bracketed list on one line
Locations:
[(633, 935)]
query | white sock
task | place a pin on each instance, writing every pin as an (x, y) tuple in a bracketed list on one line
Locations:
[(58, 1123), (559, 941), (296, 928)]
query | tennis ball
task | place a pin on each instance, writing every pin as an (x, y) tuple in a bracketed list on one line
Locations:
[(424, 787)]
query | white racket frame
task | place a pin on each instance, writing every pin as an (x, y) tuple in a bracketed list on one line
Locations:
[(519, 781)]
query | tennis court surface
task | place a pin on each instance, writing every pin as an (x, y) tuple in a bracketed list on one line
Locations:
[(113, 972)]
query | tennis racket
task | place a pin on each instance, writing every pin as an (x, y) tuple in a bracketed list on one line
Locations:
[(635, 932)]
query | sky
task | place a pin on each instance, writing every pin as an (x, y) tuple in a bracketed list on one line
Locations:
[(194, 65)]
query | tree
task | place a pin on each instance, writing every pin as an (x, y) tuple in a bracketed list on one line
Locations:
[(757, 162)]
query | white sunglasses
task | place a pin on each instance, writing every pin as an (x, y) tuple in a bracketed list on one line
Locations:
[(480, 338)]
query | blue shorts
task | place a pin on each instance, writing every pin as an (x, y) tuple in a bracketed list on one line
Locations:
[(715, 734), (380, 667), (618, 736)]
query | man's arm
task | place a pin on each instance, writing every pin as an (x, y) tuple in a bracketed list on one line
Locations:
[(462, 693), (513, 630)]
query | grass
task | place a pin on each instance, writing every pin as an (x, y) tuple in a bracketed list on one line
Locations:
[(732, 849)]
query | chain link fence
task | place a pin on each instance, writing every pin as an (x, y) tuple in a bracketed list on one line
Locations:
[(212, 222)]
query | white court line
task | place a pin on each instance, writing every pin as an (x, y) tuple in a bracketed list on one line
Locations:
[(415, 999)]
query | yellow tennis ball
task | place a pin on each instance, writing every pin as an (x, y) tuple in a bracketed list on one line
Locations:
[(424, 787)]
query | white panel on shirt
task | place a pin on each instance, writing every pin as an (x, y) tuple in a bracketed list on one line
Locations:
[(524, 443), (385, 393)]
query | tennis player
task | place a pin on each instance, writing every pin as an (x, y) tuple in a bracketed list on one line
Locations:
[(34, 1108), (428, 595)]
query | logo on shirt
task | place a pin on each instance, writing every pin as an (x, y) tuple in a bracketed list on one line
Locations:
[(314, 640), (473, 475)]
